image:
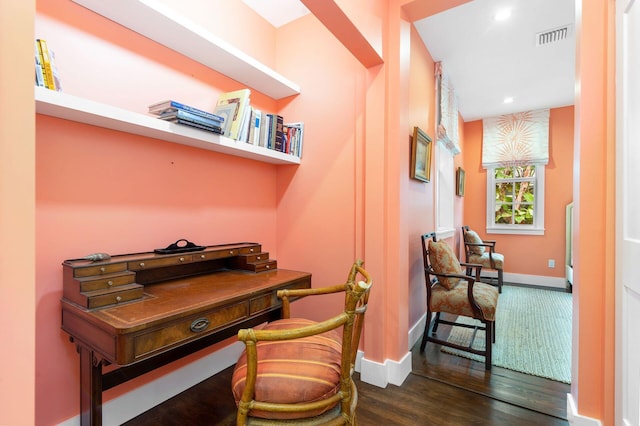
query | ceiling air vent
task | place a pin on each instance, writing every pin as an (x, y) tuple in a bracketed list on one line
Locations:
[(552, 36)]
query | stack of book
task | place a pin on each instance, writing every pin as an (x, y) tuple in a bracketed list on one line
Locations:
[(179, 113), (244, 123), (45, 64)]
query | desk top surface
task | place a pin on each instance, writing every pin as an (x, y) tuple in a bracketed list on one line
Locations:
[(179, 297)]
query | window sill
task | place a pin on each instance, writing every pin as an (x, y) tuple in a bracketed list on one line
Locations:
[(516, 231)]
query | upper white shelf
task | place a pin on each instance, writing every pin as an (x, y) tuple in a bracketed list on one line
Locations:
[(62, 105), (161, 24)]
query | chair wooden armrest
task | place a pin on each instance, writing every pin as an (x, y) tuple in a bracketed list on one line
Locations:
[(288, 294), (287, 370)]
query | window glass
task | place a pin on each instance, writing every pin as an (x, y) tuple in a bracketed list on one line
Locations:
[(515, 199)]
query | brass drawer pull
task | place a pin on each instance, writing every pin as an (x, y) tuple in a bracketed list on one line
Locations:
[(199, 325)]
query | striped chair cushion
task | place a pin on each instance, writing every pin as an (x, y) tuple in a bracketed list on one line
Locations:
[(456, 301), (293, 371)]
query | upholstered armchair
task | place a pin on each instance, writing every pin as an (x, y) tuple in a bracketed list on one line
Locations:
[(298, 371), (483, 252), (451, 291)]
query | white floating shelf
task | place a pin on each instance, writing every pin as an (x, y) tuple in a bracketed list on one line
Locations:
[(68, 107), (163, 25)]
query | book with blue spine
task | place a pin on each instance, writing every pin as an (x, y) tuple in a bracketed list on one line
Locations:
[(172, 106), (217, 130), (188, 116)]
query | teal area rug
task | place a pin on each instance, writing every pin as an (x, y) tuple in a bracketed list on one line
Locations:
[(533, 333)]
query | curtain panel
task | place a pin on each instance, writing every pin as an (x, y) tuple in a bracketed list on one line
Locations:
[(516, 139), (447, 108)]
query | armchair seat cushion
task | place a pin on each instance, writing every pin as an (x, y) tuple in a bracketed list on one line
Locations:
[(293, 371), (485, 261), (455, 301)]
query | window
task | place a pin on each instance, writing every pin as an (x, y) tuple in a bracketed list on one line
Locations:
[(515, 199), (445, 191)]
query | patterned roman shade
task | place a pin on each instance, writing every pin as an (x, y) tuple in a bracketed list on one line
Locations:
[(516, 139), (447, 133)]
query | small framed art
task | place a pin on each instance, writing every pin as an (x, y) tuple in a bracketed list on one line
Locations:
[(460, 175), (420, 155)]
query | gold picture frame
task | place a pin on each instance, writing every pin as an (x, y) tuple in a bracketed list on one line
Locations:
[(460, 176), (420, 155)]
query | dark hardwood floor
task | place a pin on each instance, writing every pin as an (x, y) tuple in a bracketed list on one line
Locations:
[(442, 390)]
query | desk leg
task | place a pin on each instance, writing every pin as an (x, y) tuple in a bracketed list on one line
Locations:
[(90, 388)]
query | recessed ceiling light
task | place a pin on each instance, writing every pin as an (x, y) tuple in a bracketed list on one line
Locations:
[(502, 15), (508, 100)]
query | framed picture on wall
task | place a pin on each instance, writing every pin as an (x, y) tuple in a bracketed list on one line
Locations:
[(420, 155), (460, 182)]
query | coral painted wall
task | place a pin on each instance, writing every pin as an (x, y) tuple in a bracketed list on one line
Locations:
[(558, 193), (102, 190), (98, 189)]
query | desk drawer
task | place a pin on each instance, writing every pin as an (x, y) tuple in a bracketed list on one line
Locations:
[(218, 254), (187, 329), (103, 282), (253, 249), (99, 269), (124, 293), (160, 262)]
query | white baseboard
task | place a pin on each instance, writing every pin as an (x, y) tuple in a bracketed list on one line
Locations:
[(145, 397), (539, 280), (394, 372), (576, 419), (416, 332)]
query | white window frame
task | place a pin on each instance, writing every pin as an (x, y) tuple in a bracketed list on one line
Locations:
[(537, 228), (445, 191)]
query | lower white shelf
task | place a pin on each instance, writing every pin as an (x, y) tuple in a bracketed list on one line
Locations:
[(69, 107)]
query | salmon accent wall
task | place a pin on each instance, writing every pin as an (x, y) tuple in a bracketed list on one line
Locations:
[(526, 254), (351, 196), (420, 195)]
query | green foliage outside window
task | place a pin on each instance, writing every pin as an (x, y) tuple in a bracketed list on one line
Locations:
[(515, 195)]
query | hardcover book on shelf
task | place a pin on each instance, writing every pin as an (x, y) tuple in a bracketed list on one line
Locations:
[(170, 106), (217, 130), (295, 134), (188, 116), (241, 97), (243, 136), (227, 112), (254, 126), (45, 62), (277, 133), (265, 130), (38, 65)]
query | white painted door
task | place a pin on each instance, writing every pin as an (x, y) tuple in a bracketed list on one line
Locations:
[(628, 212)]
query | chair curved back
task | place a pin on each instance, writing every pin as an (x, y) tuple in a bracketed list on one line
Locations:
[(300, 371)]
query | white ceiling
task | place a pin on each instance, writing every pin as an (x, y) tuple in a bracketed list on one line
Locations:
[(488, 60)]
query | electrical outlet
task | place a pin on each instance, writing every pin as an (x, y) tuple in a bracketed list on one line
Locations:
[(552, 263)]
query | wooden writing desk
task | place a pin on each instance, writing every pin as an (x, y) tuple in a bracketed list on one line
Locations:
[(142, 311)]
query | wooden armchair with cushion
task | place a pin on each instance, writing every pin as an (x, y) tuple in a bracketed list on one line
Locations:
[(451, 291), (475, 249), (298, 371)]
